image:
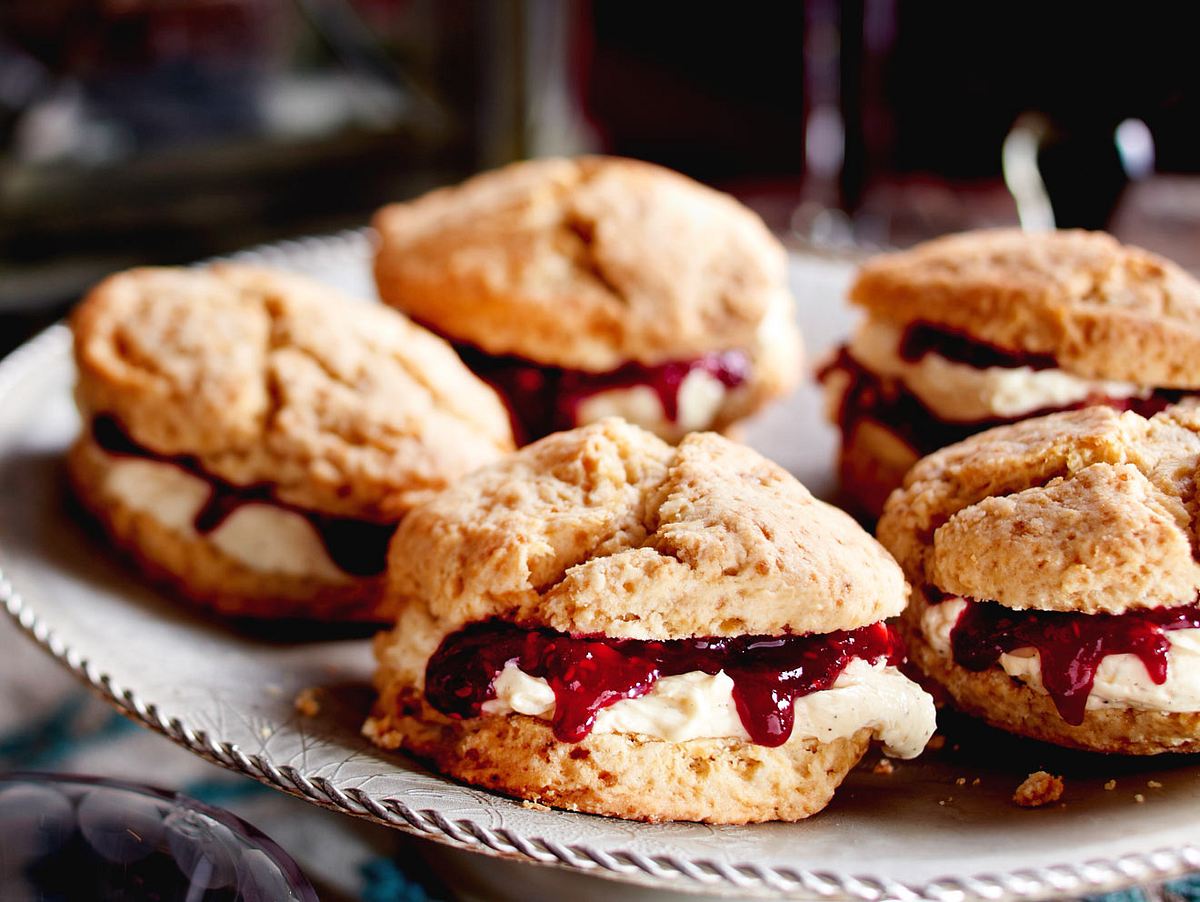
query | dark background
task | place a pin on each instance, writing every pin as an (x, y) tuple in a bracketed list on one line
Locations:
[(141, 131)]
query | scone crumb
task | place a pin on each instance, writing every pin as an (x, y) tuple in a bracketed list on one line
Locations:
[(1110, 785), (1153, 784), (1139, 798), (936, 741), (961, 781), (1039, 788), (534, 806), (307, 702), (884, 767), (976, 781)]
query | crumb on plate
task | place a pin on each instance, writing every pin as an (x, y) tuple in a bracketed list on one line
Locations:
[(1039, 788)]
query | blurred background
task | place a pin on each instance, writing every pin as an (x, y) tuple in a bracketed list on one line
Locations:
[(135, 131)]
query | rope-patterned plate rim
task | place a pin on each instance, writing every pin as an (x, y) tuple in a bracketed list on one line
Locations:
[(664, 871)]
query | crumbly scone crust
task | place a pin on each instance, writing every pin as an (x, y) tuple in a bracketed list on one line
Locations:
[(718, 781), (347, 408), (194, 568), (1103, 309), (1005, 703), (1089, 511), (589, 263), (607, 529)]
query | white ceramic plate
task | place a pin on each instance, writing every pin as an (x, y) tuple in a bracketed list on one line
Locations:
[(929, 830)]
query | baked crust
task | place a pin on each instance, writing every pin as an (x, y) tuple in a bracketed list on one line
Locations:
[(1089, 511), (589, 263), (346, 408), (193, 567), (872, 462), (1008, 704), (1103, 310), (716, 781), (607, 529)]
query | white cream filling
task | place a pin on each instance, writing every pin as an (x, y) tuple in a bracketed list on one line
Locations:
[(698, 706), (1122, 681), (262, 536), (700, 399), (958, 392)]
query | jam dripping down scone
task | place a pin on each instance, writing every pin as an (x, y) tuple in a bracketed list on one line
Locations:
[(1055, 577), (606, 623), (982, 329), (252, 438), (589, 287)]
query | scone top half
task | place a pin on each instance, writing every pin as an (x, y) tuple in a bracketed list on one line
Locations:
[(621, 599), (1055, 576), (976, 330), (597, 286), (266, 423)]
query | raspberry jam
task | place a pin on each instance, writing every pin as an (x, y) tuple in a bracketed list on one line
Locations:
[(588, 673), (357, 547), (889, 403), (921, 338), (1071, 646), (546, 399)]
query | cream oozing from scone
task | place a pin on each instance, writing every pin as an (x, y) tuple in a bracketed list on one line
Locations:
[(959, 392), (259, 535), (1122, 680), (697, 705), (700, 399)]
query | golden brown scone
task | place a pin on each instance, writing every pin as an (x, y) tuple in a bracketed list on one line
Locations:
[(1005, 703), (583, 263), (594, 264), (608, 529), (635, 777), (1102, 309), (1043, 502), (1087, 514), (268, 383), (265, 376), (607, 543)]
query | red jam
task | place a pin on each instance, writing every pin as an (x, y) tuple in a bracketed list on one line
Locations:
[(889, 403), (588, 673), (921, 338), (546, 399), (357, 547), (1071, 645)]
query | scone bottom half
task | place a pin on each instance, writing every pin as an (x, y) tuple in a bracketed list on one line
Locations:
[(984, 329), (251, 438), (596, 286), (606, 623), (1057, 580)]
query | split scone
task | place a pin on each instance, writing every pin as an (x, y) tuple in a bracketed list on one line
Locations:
[(606, 623), (981, 329), (252, 438), (1055, 577), (589, 287)]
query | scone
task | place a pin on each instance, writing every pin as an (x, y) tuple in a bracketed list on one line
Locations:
[(607, 623), (252, 438), (589, 287), (986, 328), (1055, 577)]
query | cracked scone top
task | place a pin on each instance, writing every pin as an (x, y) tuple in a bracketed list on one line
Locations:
[(601, 607), (976, 330), (1055, 576), (253, 436), (606, 281)]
